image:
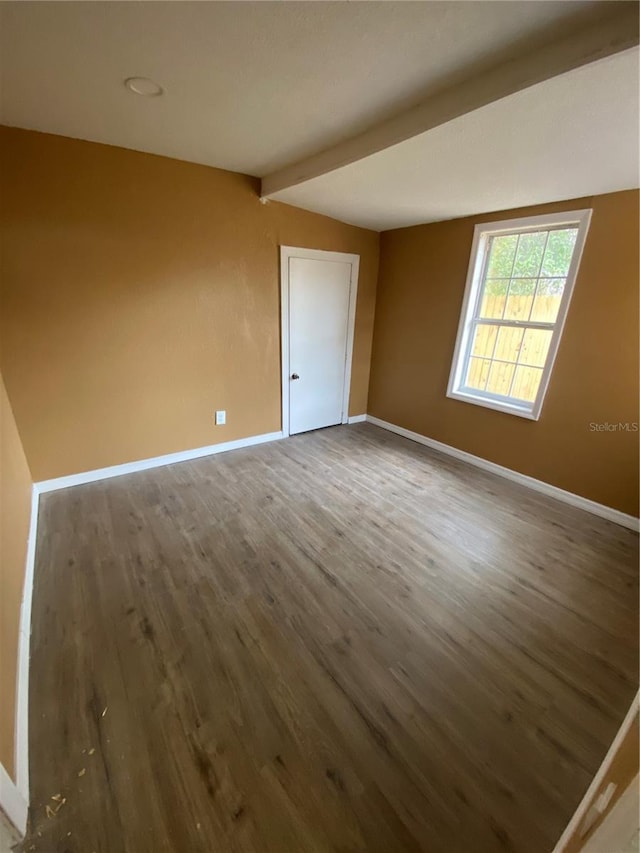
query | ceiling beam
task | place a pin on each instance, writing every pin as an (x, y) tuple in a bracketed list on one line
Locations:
[(616, 33)]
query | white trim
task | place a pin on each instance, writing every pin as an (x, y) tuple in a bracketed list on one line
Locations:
[(24, 643), (154, 462), (599, 778), (12, 802), (618, 827), (601, 510), (14, 799), (473, 291), (287, 252)]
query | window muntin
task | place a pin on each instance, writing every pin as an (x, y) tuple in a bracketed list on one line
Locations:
[(520, 280)]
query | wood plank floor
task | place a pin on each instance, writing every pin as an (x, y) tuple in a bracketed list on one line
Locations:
[(338, 642)]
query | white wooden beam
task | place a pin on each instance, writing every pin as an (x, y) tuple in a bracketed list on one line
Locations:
[(616, 33)]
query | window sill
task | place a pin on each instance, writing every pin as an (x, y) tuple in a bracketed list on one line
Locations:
[(510, 408)]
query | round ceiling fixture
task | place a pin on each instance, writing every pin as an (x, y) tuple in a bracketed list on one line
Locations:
[(143, 86)]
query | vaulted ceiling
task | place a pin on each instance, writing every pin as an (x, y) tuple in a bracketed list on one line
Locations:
[(257, 86)]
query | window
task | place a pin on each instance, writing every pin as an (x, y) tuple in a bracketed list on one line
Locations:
[(519, 284)]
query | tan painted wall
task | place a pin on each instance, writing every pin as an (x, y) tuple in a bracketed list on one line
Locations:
[(422, 279), (142, 293), (15, 515)]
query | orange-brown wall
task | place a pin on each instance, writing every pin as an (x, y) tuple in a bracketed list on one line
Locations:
[(140, 294), (595, 379), (15, 514)]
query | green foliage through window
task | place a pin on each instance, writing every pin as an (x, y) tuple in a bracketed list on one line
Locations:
[(520, 259)]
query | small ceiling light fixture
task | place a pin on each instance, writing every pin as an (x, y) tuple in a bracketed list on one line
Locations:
[(143, 86)]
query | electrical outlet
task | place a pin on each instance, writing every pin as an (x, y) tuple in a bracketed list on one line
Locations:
[(221, 418)]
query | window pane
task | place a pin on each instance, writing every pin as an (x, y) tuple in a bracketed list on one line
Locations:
[(484, 339), (547, 300), (535, 347), (500, 376), (520, 299), (477, 373), (501, 255), (529, 254), (508, 344), (493, 297), (557, 256), (526, 383)]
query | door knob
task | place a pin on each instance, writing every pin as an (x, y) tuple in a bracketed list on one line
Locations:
[(295, 376)]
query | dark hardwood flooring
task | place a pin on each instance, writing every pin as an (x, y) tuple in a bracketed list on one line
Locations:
[(338, 642)]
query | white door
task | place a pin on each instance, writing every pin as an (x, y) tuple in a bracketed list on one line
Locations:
[(320, 338)]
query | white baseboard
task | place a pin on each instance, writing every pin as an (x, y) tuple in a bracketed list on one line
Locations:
[(603, 511), (14, 799), (154, 462), (24, 644), (596, 783), (12, 802), (620, 825)]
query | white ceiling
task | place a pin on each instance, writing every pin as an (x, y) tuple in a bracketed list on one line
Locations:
[(249, 86), (574, 135), (252, 86)]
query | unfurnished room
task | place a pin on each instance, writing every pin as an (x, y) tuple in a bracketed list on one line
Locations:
[(319, 449)]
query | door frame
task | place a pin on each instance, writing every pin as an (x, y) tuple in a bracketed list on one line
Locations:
[(287, 252)]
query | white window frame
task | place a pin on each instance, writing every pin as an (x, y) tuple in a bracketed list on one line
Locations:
[(470, 307)]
